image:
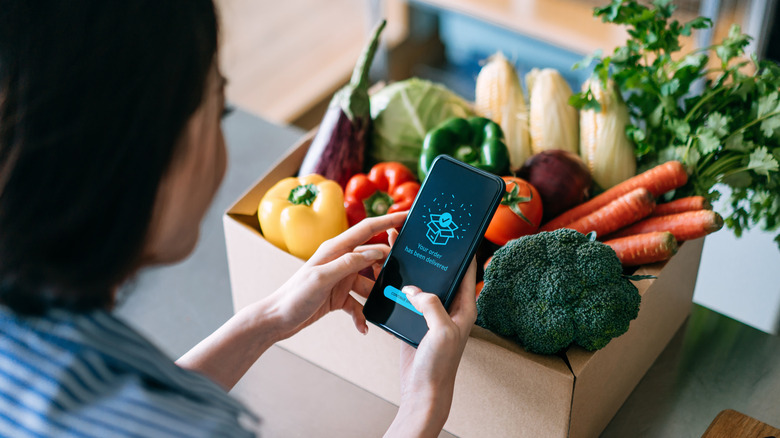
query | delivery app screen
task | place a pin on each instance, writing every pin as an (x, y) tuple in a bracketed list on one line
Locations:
[(438, 234)]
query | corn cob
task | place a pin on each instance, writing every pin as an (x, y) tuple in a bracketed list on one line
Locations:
[(604, 146), (499, 97), (553, 123)]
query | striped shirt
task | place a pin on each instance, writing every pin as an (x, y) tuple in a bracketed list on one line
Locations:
[(90, 375)]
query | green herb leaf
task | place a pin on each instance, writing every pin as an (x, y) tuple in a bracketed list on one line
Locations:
[(722, 123), (609, 13), (762, 162), (671, 87), (733, 45), (635, 134), (767, 104), (744, 89), (680, 128), (737, 143), (696, 23), (770, 125), (585, 101), (708, 141), (718, 123), (695, 60), (587, 61)]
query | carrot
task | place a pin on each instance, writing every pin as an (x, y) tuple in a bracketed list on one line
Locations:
[(657, 181), (687, 225), (479, 287), (619, 213), (691, 203), (640, 249)]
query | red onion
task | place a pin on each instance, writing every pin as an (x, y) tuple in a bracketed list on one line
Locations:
[(562, 179)]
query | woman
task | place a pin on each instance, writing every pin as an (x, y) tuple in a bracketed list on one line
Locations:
[(110, 153)]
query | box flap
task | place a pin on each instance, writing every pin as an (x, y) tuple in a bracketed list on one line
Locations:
[(552, 362)]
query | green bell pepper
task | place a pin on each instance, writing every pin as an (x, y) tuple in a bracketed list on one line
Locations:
[(476, 141)]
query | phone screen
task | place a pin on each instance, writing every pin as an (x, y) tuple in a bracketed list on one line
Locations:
[(440, 236)]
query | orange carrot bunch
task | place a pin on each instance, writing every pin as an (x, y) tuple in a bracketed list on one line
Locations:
[(657, 181), (637, 229), (619, 213)]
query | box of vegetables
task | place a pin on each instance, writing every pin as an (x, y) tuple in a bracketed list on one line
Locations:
[(588, 268)]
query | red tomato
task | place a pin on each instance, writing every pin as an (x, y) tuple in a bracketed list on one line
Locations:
[(519, 214), (487, 262)]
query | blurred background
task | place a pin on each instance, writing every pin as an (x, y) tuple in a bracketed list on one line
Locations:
[(284, 60)]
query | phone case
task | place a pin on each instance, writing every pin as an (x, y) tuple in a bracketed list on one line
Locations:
[(438, 240)]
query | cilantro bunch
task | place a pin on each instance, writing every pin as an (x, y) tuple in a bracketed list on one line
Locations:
[(722, 123)]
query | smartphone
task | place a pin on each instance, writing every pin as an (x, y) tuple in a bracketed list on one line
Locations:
[(435, 246)]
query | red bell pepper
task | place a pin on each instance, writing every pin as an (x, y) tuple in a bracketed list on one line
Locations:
[(388, 188)]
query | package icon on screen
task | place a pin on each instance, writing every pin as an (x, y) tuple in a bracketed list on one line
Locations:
[(441, 229)]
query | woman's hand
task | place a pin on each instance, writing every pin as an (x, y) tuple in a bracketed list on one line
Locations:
[(428, 372), (324, 282), (320, 286)]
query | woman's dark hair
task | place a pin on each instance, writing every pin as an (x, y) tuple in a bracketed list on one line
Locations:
[(94, 97)]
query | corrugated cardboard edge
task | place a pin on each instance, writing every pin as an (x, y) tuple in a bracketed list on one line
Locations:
[(614, 371)]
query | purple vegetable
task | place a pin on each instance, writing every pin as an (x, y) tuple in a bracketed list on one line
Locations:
[(561, 178), (337, 151)]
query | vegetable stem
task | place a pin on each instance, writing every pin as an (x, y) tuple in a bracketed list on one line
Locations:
[(732, 172), (359, 77), (303, 194), (751, 123), (512, 198), (720, 165), (377, 204), (701, 101)]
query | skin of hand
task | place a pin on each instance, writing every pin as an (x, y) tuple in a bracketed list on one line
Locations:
[(428, 372), (322, 285)]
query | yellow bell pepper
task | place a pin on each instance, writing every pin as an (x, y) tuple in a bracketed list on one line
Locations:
[(298, 214)]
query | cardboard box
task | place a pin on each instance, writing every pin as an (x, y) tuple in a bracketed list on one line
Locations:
[(501, 390)]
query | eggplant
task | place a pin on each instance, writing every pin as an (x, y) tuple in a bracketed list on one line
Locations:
[(338, 149)]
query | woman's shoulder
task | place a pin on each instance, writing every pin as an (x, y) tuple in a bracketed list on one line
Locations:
[(64, 372)]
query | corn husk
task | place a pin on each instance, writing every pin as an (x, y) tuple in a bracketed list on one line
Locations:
[(604, 146), (553, 123), (499, 97)]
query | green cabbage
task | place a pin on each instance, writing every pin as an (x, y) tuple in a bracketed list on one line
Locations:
[(403, 113)]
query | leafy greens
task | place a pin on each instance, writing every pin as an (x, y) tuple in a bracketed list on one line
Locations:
[(722, 123)]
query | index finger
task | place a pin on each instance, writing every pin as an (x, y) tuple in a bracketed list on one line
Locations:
[(359, 234)]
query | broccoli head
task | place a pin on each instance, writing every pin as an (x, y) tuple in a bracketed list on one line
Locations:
[(554, 288)]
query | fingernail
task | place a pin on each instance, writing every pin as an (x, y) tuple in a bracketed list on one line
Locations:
[(364, 330), (410, 291), (372, 254)]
